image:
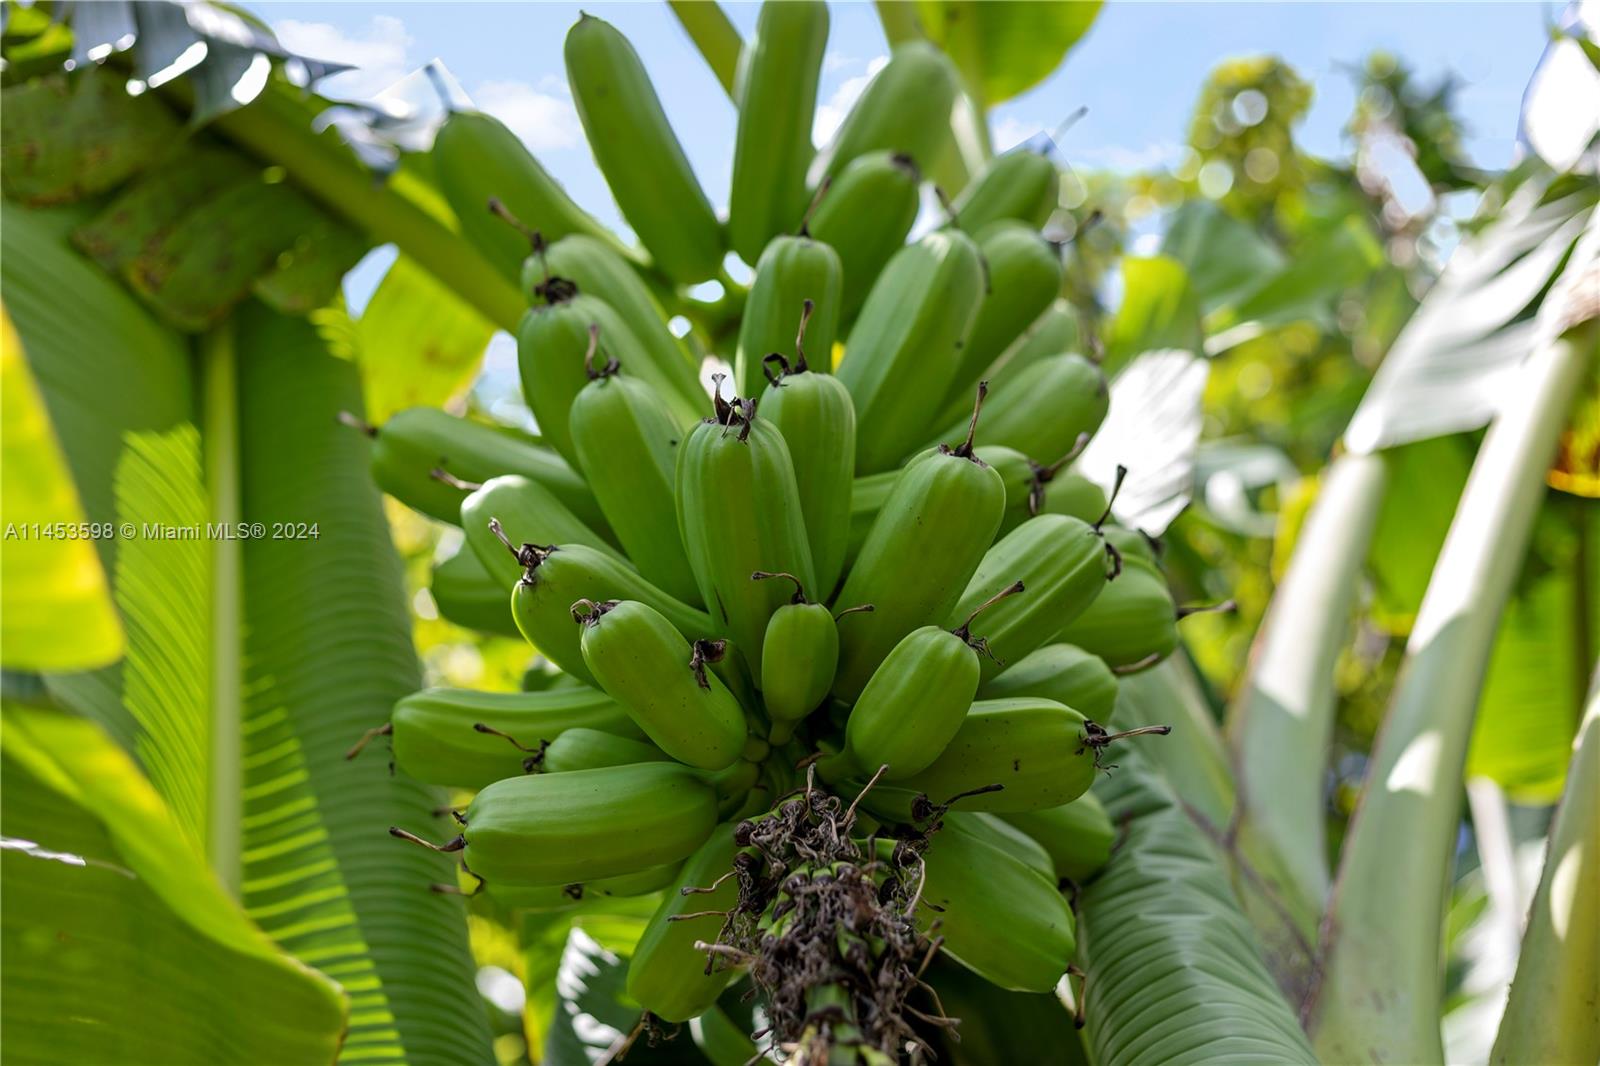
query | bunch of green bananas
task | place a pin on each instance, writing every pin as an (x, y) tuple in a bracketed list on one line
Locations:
[(881, 584)]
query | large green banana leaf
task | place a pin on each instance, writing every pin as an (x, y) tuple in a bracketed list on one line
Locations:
[(251, 664), (1174, 973)]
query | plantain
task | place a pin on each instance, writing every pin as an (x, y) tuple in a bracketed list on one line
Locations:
[(905, 108), (776, 96), (902, 353), (818, 422), (1065, 565), (1021, 185), (739, 512), (639, 155), (415, 442), (476, 160), (642, 661), (1061, 672), (923, 547), (864, 215), (436, 738), (558, 829), (625, 442)]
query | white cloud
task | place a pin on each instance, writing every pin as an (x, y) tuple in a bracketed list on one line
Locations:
[(1010, 132), (836, 61), (1120, 157), (380, 53), (543, 120), (830, 116)]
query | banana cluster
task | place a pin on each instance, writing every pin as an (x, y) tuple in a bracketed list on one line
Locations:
[(880, 566)]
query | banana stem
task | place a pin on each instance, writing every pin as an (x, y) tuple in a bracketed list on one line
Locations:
[(368, 737)]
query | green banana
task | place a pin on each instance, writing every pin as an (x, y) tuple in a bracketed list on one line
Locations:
[(648, 666), (1063, 562), (922, 549), (793, 271), (818, 422), (1132, 543), (544, 898), (917, 697), (864, 215), (905, 108), (559, 829), (777, 97), (1016, 471), (415, 442), (529, 513), (1054, 332), (639, 155), (436, 739), (590, 749), (1041, 754), (1077, 835), (798, 656), (475, 160), (1021, 184), (468, 596), (555, 576), (1018, 844), (667, 974), (596, 269), (902, 353), (1024, 275), (1055, 491), (998, 916), (739, 512), (1061, 672), (624, 441), (1046, 407), (1132, 623)]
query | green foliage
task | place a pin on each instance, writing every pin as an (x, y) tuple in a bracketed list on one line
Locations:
[(1005, 47)]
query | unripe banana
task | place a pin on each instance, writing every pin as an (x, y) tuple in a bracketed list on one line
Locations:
[(905, 108), (1041, 754), (792, 271), (1064, 564), (625, 443), (1024, 275), (1061, 672), (916, 699), (475, 160), (545, 898), (468, 596), (1068, 493), (777, 97), (798, 656), (557, 829), (596, 269), (415, 442), (1016, 471), (436, 739), (639, 155), (529, 513), (867, 497), (1133, 544), (1044, 409), (667, 975), (556, 576), (647, 665), (556, 350), (999, 917), (591, 749), (815, 414), (1055, 332), (902, 352), (1021, 184), (864, 216), (1077, 835), (739, 512), (923, 548), (1133, 622), (1003, 834)]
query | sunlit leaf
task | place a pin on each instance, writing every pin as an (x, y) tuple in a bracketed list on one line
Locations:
[(1159, 309), (1005, 47), (1226, 259), (55, 605), (419, 343)]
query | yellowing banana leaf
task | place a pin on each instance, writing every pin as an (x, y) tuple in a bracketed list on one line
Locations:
[(1005, 47), (55, 605), (418, 342), (1174, 971), (120, 944)]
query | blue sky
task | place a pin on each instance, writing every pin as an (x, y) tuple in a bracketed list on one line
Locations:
[(1137, 71)]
